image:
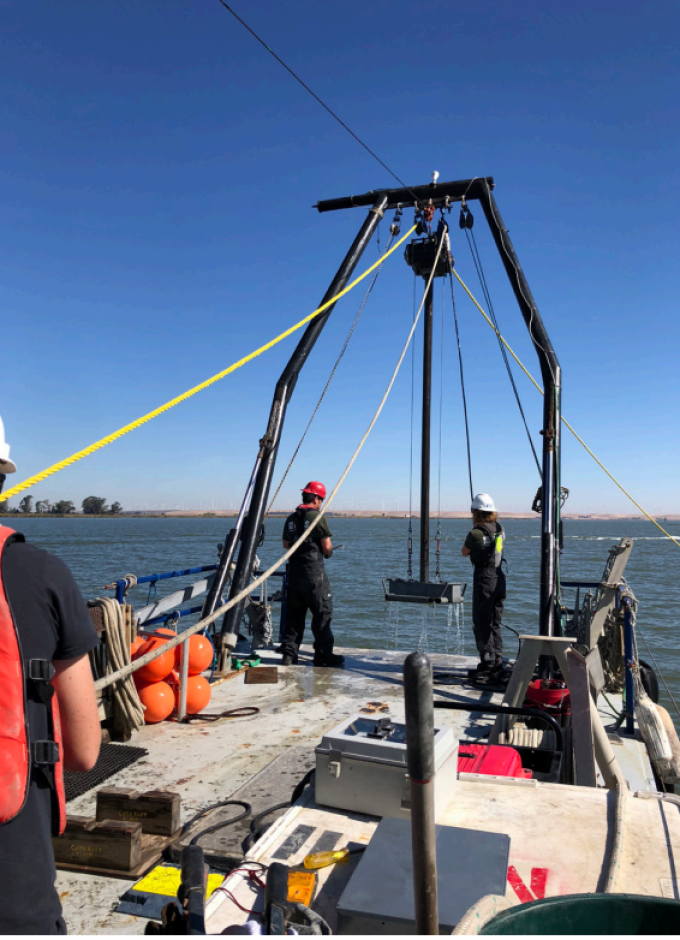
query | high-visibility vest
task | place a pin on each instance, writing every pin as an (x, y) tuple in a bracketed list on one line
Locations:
[(20, 752)]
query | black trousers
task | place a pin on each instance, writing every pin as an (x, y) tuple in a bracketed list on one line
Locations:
[(488, 594), (308, 592)]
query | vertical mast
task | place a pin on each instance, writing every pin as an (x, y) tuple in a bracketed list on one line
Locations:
[(549, 624), (425, 444)]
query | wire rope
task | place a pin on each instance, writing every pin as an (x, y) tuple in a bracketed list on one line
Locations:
[(55, 468), (250, 588), (353, 327), (474, 251), (562, 418), (409, 543), (438, 536), (656, 666), (316, 97), (462, 387)]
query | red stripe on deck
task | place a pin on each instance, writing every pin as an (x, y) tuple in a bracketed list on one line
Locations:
[(518, 885), (539, 876)]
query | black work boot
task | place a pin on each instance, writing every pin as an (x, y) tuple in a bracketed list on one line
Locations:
[(289, 660), (329, 659)]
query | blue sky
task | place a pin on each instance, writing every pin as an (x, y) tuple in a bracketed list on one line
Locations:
[(157, 172)]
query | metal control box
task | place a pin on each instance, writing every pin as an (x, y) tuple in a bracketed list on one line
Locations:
[(361, 767)]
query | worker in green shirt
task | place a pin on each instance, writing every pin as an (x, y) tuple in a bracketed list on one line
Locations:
[(308, 587), (484, 546)]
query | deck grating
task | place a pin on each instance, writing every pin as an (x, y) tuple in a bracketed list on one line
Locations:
[(112, 758)]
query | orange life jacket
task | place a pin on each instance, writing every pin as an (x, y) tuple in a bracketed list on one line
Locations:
[(19, 752)]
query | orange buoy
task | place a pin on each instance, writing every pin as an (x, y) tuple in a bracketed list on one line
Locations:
[(158, 668), (198, 694), (200, 654), (134, 646), (158, 701)]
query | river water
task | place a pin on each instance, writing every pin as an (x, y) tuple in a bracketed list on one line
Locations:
[(99, 551)]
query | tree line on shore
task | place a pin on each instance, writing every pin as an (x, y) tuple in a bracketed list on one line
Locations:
[(91, 506)]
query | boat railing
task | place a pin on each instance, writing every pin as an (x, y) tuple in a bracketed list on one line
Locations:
[(168, 610)]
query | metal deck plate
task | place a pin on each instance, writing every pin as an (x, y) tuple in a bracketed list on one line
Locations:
[(379, 896)]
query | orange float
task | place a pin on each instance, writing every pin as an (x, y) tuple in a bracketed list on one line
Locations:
[(158, 700), (160, 667), (198, 694), (200, 654), (134, 646)]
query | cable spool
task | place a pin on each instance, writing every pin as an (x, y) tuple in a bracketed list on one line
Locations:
[(669, 771), (652, 728)]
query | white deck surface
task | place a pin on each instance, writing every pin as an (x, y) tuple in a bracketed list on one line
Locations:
[(207, 763)]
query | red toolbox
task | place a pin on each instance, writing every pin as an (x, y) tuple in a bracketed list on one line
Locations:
[(497, 759)]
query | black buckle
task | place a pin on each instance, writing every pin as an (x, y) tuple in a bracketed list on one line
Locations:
[(45, 753), (40, 670)]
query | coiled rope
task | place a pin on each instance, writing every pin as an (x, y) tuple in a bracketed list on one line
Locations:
[(55, 468), (564, 420), (117, 657)]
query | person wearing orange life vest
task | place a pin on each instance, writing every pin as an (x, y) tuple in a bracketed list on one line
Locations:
[(45, 637), (484, 546), (308, 587)]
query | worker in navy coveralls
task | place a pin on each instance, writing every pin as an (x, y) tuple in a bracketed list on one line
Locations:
[(308, 587), (484, 546)]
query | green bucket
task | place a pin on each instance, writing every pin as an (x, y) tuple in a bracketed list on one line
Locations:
[(580, 914)]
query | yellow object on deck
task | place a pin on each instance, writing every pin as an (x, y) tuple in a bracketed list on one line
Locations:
[(165, 880), (301, 887), (323, 859)]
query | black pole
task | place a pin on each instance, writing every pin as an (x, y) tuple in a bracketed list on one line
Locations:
[(270, 442), (418, 701), (552, 388), (425, 447)]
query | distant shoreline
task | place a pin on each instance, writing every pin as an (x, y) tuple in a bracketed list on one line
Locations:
[(350, 514)]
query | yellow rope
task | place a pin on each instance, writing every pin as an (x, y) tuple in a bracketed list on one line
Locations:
[(564, 420), (55, 468)]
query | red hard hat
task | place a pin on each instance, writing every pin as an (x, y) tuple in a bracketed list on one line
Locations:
[(316, 489)]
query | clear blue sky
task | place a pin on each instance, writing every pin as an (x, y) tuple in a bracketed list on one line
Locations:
[(157, 172)]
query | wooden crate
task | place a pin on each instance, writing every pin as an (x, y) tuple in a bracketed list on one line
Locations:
[(112, 845), (157, 811)]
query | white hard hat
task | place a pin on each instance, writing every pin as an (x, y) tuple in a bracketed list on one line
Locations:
[(6, 465), (483, 503)]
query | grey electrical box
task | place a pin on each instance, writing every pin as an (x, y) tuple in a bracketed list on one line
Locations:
[(378, 898), (361, 767)]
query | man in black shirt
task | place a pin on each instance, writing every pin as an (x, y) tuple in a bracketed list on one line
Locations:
[(52, 623), (308, 587)]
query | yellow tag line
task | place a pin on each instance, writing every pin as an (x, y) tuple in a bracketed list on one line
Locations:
[(564, 420), (55, 468)]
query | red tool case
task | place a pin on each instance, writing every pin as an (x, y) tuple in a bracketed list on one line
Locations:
[(497, 759)]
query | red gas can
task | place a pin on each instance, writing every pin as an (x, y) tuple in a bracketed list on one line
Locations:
[(497, 759)]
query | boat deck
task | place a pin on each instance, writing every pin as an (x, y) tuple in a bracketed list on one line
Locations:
[(206, 763)]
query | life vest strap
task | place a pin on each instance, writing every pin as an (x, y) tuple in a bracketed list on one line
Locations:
[(40, 670), (45, 753)]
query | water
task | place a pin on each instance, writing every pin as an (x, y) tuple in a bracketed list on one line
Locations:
[(99, 551)]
